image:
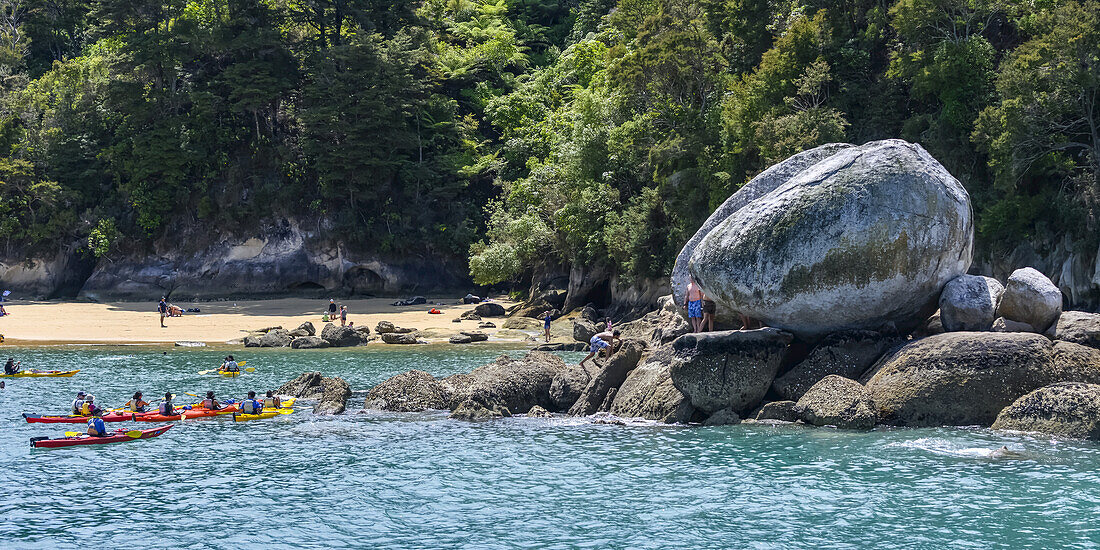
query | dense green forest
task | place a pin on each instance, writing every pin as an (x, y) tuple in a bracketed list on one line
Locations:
[(526, 132)]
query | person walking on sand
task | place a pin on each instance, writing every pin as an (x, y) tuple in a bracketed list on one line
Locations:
[(694, 304), (163, 308), (546, 325), (343, 315)]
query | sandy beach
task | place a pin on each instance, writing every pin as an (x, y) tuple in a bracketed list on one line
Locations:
[(229, 321)]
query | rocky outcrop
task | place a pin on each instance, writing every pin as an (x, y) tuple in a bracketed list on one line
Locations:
[(304, 329), (278, 338), (470, 315), (411, 391), (656, 328), (609, 378), (568, 384), (648, 392), (1000, 324), (764, 183), (252, 341), (522, 323), (727, 370), (1077, 327), (309, 342), (724, 417), (969, 303), (397, 338), (45, 276), (489, 309), (539, 412), (331, 393), (959, 378), (1030, 297), (848, 354), (386, 327), (475, 411), (516, 384), (1075, 363), (783, 411), (339, 337), (832, 250), (584, 330), (558, 346), (468, 337), (838, 401), (1068, 409)]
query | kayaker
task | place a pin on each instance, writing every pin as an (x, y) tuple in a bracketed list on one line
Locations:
[(136, 404), (210, 403), (272, 401), (250, 405), (78, 403), (89, 407), (166, 407), (230, 365), (12, 367), (96, 427)]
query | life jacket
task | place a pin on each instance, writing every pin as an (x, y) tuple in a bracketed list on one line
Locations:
[(250, 406), (208, 404), (166, 408), (97, 423), (86, 408), (269, 403), (134, 406), (78, 404)]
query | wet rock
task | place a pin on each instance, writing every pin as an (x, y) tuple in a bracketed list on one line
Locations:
[(1068, 409), (583, 330), (784, 411), (539, 412), (517, 384), (334, 396), (728, 369), (848, 354), (572, 346), (467, 337), (1030, 297), (724, 417), (969, 303), (396, 338), (490, 309), (411, 391), (309, 342), (830, 249), (277, 338), (648, 392), (568, 385), (838, 401), (472, 410), (1007, 325), (610, 377), (1077, 327)]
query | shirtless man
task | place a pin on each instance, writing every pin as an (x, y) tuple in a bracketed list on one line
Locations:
[(694, 304)]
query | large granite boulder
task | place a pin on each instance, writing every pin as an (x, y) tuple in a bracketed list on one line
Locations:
[(728, 369), (865, 239), (959, 378), (648, 392), (783, 411), (569, 383), (584, 330), (411, 391), (399, 338), (1077, 327), (309, 342), (517, 384), (838, 401), (848, 354), (1000, 324), (764, 183), (1030, 297), (474, 410), (252, 341), (468, 337), (331, 393), (609, 378), (1068, 409), (340, 337), (969, 303), (278, 338), (490, 309), (1075, 363), (304, 329)]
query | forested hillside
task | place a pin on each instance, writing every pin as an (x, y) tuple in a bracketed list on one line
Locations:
[(537, 135)]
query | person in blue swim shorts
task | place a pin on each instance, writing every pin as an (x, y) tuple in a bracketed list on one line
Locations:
[(602, 341)]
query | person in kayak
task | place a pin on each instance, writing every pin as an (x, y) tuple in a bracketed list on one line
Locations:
[(89, 408), (78, 403), (12, 367), (96, 427), (166, 408), (210, 403), (229, 365), (250, 405), (137, 404), (272, 401)]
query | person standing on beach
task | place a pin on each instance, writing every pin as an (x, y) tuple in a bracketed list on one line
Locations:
[(163, 308), (546, 325), (343, 315), (331, 309), (694, 304)]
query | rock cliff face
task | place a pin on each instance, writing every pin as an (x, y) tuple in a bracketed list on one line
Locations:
[(865, 239), (46, 276)]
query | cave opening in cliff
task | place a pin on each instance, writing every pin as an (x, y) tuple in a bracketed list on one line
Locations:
[(361, 280), (600, 295), (305, 285)]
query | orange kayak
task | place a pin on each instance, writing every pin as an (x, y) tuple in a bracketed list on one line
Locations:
[(185, 414)]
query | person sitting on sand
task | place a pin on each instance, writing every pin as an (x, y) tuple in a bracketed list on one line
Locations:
[(250, 405), (210, 403), (12, 367), (272, 401), (96, 428), (603, 340), (137, 404), (78, 403), (166, 408)]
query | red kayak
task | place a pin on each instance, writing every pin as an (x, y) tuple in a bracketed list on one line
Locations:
[(117, 416), (121, 437), (184, 414)]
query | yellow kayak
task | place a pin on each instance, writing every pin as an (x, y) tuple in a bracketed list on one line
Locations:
[(241, 417), (230, 374), (42, 374)]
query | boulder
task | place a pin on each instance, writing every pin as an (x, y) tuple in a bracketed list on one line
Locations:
[(1077, 327), (470, 409), (534, 309), (959, 378), (489, 309), (309, 342), (334, 396), (395, 338), (468, 337), (648, 392), (307, 329), (832, 250), (517, 384), (610, 377), (411, 391), (470, 316), (724, 417), (584, 330), (1075, 363), (728, 369), (568, 385), (340, 337), (838, 401), (522, 323), (277, 338), (783, 411), (589, 313), (657, 328), (486, 324), (1067, 409), (572, 346), (539, 412), (848, 354), (762, 184), (931, 327), (414, 301), (1000, 324), (252, 341), (1030, 297), (306, 385), (969, 303), (384, 327)]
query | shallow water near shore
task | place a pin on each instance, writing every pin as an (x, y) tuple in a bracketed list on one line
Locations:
[(385, 480)]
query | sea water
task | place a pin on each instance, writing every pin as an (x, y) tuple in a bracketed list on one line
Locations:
[(420, 480)]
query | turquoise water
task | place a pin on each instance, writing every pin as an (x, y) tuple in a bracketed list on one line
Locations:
[(383, 480)]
